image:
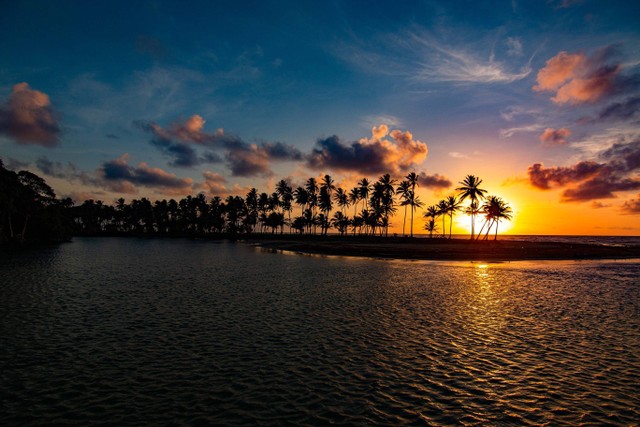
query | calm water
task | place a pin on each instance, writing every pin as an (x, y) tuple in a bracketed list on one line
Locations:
[(130, 332)]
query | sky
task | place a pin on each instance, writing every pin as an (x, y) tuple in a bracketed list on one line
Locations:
[(160, 99)]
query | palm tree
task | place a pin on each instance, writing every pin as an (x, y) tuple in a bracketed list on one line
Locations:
[(430, 214), (285, 192), (301, 197), (404, 190), (342, 199), (495, 210), (387, 202), (443, 210), (431, 227), (472, 210), (354, 198), (453, 206), (414, 202), (340, 222), (470, 187), (365, 188)]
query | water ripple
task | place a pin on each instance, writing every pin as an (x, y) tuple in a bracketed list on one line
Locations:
[(130, 332)]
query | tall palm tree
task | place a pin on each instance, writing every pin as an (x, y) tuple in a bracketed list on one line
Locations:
[(365, 188), (301, 197), (386, 201), (442, 211), (342, 199), (414, 202), (495, 210), (285, 192), (354, 198), (470, 188), (404, 190), (453, 206)]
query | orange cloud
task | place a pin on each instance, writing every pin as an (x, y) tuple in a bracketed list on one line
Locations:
[(576, 78), (28, 118), (552, 136)]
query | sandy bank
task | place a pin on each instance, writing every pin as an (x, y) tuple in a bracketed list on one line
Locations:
[(444, 249)]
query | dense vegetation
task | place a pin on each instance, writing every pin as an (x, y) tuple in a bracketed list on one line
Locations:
[(30, 211), (313, 208)]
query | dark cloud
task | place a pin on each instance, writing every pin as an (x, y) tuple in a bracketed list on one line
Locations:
[(433, 181), (632, 206), (546, 178), (118, 175), (602, 187), (50, 168), (68, 171), (179, 140), (183, 155), (623, 156), (14, 164), (398, 154), (628, 109), (27, 117), (590, 180)]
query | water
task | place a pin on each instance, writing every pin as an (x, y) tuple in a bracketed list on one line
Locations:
[(157, 332)]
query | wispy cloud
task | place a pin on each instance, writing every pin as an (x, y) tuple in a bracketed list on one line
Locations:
[(508, 133), (421, 56), (443, 63)]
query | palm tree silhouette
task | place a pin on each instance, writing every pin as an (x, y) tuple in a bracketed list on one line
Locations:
[(443, 211), (470, 188), (453, 206), (430, 214), (404, 190), (365, 188), (495, 210), (412, 177), (354, 198)]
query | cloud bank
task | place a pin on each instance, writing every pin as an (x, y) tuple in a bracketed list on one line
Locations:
[(119, 176), (386, 151), (178, 142), (617, 171)]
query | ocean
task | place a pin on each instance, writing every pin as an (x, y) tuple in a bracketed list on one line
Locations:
[(126, 331)]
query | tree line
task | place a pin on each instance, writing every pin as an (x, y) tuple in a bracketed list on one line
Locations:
[(316, 207)]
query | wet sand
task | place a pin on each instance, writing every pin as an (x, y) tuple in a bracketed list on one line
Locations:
[(443, 249)]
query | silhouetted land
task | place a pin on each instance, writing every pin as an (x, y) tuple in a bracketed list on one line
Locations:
[(442, 249)]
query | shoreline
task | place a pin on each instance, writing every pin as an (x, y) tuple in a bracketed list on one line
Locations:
[(444, 249)]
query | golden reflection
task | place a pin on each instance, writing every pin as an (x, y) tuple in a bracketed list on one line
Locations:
[(487, 315)]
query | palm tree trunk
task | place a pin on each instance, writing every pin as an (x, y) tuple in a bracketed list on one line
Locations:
[(24, 228), (496, 235), (482, 229), (412, 209), (404, 220), (450, 224), (486, 236)]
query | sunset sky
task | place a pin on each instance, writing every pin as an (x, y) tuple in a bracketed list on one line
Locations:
[(159, 99)]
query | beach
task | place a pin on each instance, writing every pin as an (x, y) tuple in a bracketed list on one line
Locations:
[(442, 249)]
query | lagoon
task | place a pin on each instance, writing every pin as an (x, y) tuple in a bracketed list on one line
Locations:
[(125, 331)]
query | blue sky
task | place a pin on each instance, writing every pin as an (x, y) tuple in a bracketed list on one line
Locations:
[(274, 81)]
